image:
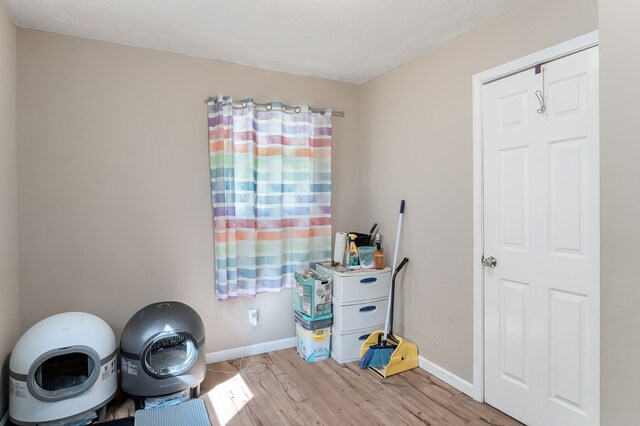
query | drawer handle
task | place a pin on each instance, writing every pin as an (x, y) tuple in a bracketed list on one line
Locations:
[(364, 337), (368, 308), (369, 280)]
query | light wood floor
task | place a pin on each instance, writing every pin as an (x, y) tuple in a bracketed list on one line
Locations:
[(289, 391), (292, 391)]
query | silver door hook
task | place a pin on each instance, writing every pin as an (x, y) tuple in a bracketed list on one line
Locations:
[(540, 68), (543, 107)]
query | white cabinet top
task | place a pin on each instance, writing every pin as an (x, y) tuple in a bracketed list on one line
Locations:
[(342, 271)]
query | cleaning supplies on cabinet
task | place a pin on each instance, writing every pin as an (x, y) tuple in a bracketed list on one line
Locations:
[(363, 251), (366, 254), (339, 248), (354, 259), (378, 257), (364, 239)]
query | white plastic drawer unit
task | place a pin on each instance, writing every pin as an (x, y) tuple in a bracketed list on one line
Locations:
[(345, 347), (359, 316), (360, 300), (356, 286)]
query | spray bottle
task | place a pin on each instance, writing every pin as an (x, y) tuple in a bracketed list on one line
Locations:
[(378, 257), (354, 259)]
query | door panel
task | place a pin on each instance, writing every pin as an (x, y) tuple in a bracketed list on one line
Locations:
[(514, 197), (569, 96), (540, 213), (567, 349), (513, 110), (514, 332), (566, 188)]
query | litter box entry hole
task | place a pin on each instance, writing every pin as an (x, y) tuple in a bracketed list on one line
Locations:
[(170, 354), (64, 371)]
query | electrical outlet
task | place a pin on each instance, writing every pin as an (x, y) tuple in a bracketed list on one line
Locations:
[(253, 317)]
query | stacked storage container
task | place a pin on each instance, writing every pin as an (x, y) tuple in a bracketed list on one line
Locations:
[(359, 307), (312, 304)]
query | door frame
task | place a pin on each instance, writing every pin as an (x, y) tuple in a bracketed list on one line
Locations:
[(478, 80)]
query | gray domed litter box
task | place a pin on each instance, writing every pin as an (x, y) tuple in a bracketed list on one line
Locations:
[(162, 351)]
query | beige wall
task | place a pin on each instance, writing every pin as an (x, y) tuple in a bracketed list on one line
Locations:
[(9, 290), (417, 145), (113, 173), (620, 210)]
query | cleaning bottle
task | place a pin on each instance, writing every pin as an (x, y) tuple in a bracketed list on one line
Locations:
[(354, 259), (378, 257)]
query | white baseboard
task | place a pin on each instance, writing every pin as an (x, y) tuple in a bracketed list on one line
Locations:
[(5, 419), (258, 348), (448, 377)]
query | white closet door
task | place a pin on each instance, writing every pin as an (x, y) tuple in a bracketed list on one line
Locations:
[(541, 206)]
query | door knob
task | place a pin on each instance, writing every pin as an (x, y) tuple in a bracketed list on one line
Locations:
[(489, 262)]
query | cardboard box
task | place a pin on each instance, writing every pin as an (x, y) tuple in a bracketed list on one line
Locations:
[(313, 293)]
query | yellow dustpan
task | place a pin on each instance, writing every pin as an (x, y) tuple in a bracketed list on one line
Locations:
[(404, 357)]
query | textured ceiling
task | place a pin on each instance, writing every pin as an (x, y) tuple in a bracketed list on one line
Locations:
[(345, 40)]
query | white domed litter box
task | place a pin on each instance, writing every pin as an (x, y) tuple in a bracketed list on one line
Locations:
[(62, 370)]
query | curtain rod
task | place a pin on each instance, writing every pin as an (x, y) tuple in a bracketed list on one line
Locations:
[(283, 107)]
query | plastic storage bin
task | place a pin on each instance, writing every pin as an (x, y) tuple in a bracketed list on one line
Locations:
[(366, 256), (312, 294), (313, 341)]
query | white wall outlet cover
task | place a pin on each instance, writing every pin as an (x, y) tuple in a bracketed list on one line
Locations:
[(253, 317)]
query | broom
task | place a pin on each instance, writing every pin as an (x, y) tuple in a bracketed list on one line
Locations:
[(379, 355)]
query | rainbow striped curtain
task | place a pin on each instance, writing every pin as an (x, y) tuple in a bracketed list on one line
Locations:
[(271, 195)]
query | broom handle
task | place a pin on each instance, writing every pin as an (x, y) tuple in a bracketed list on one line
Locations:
[(387, 322), (393, 296)]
